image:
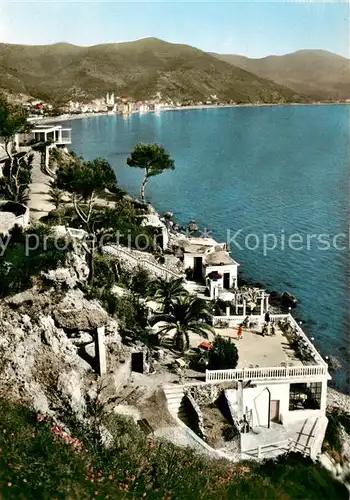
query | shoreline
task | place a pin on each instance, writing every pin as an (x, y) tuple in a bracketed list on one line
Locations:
[(69, 117)]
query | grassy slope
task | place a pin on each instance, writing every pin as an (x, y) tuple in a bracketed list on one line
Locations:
[(35, 466), (317, 73), (136, 69)]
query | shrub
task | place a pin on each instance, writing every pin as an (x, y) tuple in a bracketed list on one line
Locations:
[(20, 264), (223, 354), (38, 461)]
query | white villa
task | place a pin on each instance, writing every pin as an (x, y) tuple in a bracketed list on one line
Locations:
[(209, 261)]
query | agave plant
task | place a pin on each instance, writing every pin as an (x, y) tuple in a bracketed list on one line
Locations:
[(187, 314)]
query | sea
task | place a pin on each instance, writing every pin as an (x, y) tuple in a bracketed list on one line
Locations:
[(272, 181)]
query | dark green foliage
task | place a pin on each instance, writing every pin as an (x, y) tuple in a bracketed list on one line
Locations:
[(17, 176), (165, 291), (36, 466), (122, 225), (152, 159), (188, 314), (13, 120), (104, 276), (223, 354), (141, 282), (132, 314), (27, 255), (85, 180)]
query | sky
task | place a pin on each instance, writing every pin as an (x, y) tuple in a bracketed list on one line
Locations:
[(254, 29)]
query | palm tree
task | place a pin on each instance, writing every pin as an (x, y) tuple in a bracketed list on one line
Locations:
[(187, 315), (56, 197), (165, 291)]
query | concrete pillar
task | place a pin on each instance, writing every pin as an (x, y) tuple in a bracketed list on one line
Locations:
[(262, 306), (101, 351), (244, 307), (324, 395), (267, 302), (228, 311)]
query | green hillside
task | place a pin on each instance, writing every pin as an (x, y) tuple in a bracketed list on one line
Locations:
[(316, 73), (136, 69)]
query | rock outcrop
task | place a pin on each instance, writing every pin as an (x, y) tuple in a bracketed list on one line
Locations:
[(42, 339), (74, 312)]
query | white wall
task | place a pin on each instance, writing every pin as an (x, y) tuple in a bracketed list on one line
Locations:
[(230, 268), (257, 400)]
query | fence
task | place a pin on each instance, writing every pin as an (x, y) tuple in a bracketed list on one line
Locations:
[(277, 372)]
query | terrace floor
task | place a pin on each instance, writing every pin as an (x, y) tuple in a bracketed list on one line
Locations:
[(254, 350)]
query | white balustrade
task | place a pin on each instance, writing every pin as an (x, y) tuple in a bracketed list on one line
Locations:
[(277, 372)]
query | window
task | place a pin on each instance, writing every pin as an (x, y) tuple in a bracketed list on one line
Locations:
[(305, 396)]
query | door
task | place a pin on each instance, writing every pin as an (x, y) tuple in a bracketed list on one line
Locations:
[(137, 362), (227, 281), (197, 270), (274, 410)]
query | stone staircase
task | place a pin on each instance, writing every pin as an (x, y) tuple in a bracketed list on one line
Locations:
[(174, 395), (136, 260)]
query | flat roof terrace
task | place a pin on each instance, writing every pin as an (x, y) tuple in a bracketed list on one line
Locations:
[(286, 353), (255, 350)]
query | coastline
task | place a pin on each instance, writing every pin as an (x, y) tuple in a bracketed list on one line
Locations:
[(69, 117), (79, 116)]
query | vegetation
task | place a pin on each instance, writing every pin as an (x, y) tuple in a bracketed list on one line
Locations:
[(85, 180), (39, 461), (17, 170), (140, 69), (27, 255), (152, 159), (318, 74), (16, 179), (13, 120), (187, 315), (223, 354), (165, 291)]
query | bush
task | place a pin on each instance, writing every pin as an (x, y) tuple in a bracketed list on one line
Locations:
[(20, 264), (38, 463), (223, 354)]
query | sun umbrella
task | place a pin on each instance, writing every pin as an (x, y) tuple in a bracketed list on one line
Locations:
[(227, 296), (214, 275)]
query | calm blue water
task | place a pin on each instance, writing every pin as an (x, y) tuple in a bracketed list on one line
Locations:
[(280, 170)]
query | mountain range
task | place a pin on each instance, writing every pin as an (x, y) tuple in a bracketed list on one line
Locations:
[(318, 74), (141, 68)]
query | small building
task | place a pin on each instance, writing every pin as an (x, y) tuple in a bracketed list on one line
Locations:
[(205, 257), (56, 134)]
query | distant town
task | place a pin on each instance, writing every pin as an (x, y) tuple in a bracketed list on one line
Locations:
[(112, 104)]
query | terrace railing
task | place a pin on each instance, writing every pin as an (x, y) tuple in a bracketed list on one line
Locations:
[(277, 372)]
